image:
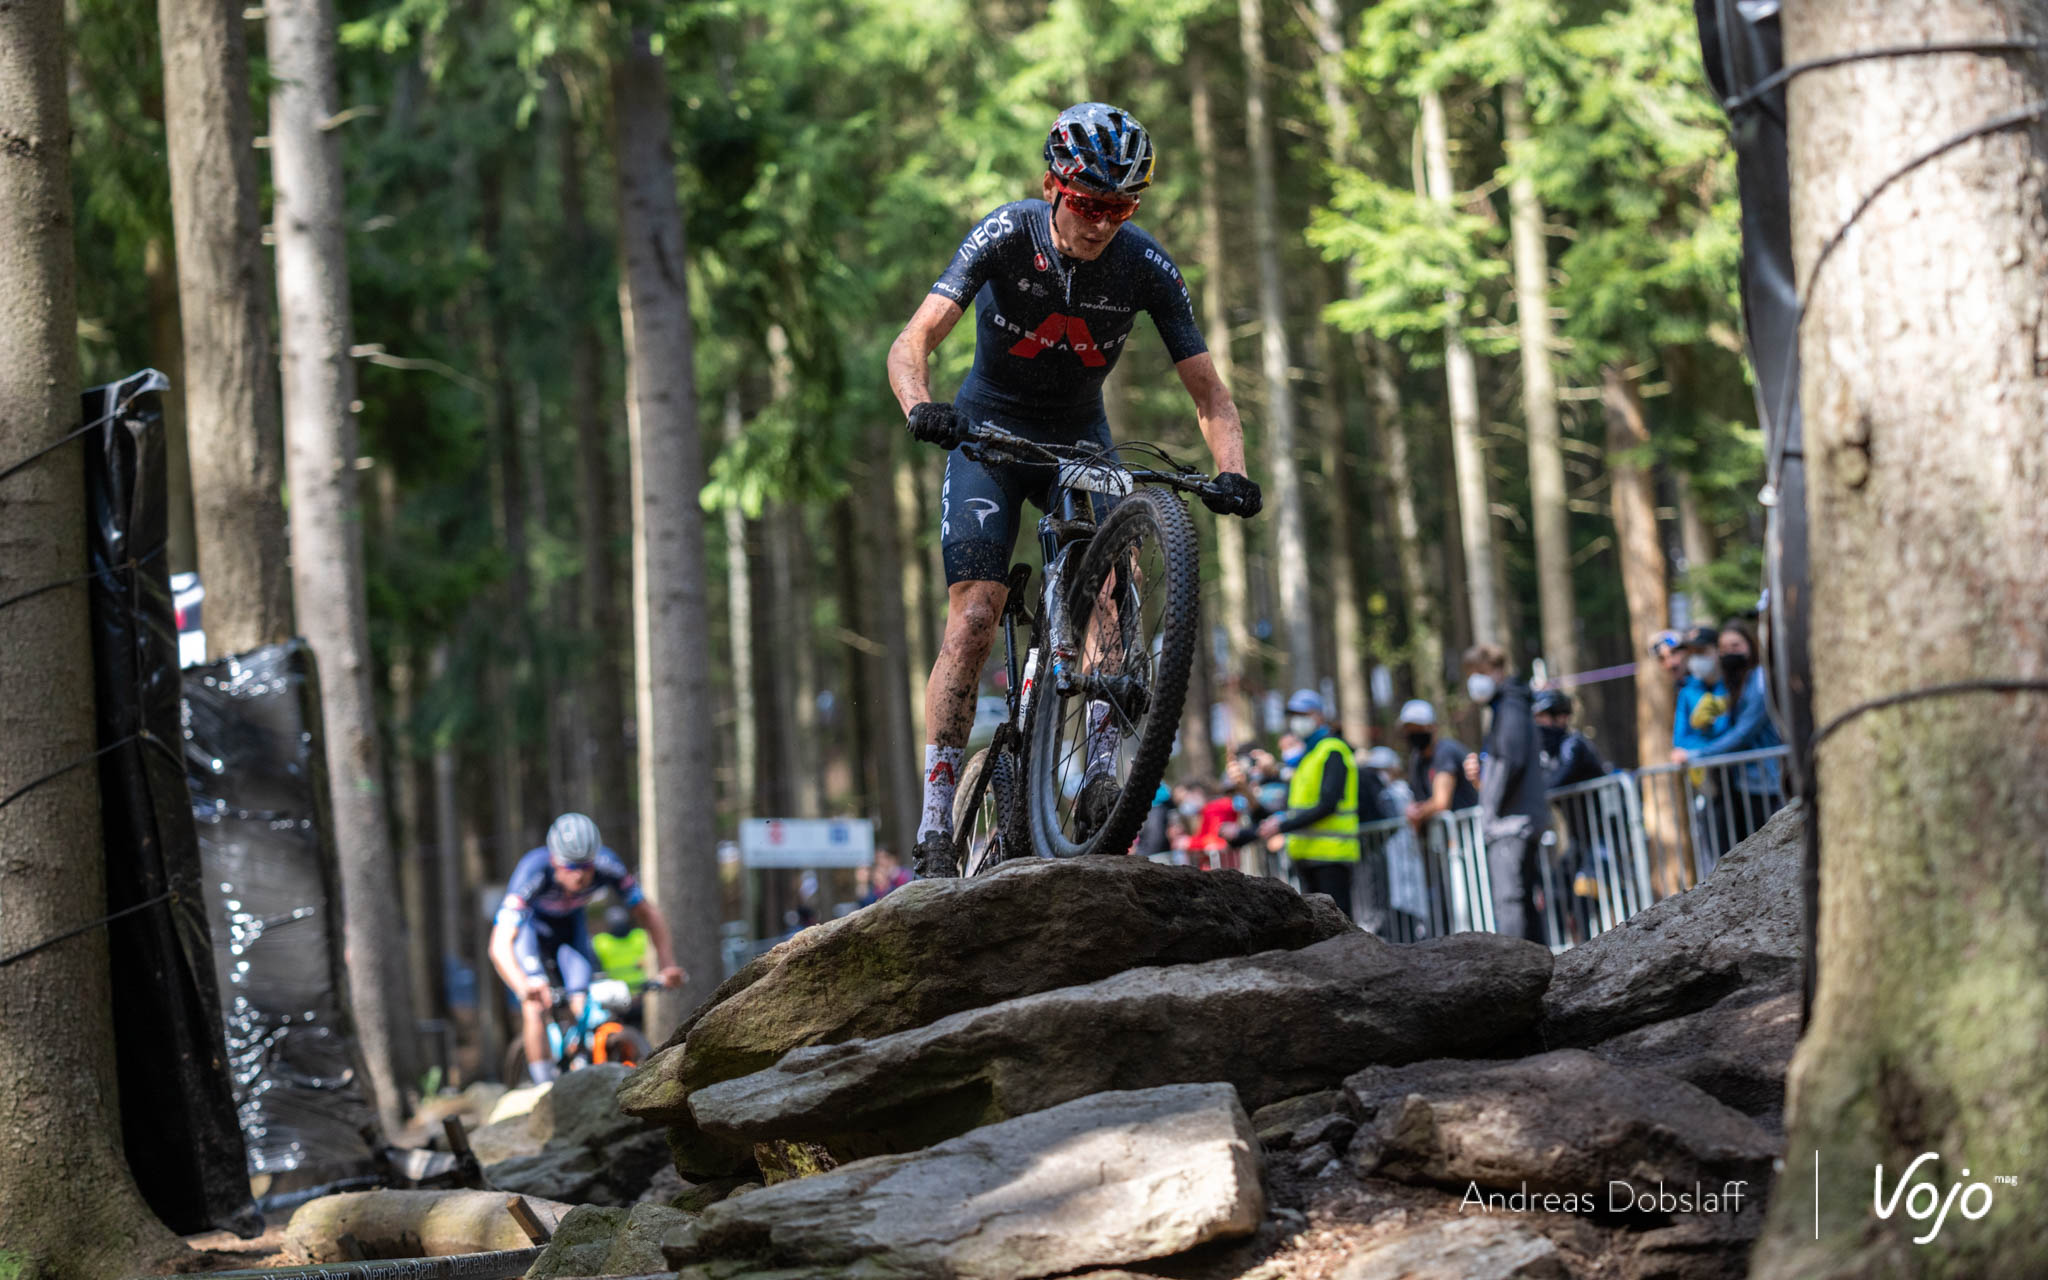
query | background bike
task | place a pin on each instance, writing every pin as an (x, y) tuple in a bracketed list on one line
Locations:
[(597, 1035), (1101, 665)]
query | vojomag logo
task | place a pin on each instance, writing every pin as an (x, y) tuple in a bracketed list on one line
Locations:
[(1923, 1200)]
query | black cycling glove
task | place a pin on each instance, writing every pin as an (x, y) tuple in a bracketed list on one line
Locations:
[(1234, 495), (939, 423)]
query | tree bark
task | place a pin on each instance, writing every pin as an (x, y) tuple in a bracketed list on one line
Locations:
[(1468, 456), (740, 624), (1695, 541), (230, 388), (671, 631), (1232, 590), (1633, 492), (1925, 384), (523, 806), (167, 353), (603, 739), (919, 654), (1290, 514), (1548, 515), (1347, 625), (456, 930), (885, 623), (68, 1207), (315, 335)]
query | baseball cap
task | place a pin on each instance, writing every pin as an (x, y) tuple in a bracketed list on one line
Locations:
[(1305, 700), (1666, 639), (1416, 711), (1382, 758)]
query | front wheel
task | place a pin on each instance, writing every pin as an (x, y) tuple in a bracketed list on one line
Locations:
[(1099, 749), (988, 810)]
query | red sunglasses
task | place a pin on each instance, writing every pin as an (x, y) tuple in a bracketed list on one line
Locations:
[(1094, 208)]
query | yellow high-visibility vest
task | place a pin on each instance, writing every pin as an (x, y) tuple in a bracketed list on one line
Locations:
[(1333, 838)]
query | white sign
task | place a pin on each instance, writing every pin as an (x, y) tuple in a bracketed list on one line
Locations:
[(807, 842)]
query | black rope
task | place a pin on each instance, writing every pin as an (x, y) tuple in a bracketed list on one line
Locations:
[(2032, 111), (1770, 83), (124, 566), (61, 770), (23, 954), (1921, 694)]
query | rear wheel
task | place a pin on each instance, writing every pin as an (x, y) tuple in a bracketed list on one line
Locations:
[(1134, 604), (988, 810), (622, 1044)]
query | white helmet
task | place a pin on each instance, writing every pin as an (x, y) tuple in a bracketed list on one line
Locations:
[(573, 840)]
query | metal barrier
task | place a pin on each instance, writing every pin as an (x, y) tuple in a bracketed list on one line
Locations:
[(1615, 845)]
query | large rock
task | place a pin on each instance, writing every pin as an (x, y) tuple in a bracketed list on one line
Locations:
[(1739, 928), (415, 1224), (1109, 1179), (608, 1242), (582, 1109), (1564, 1123), (1738, 1051), (941, 946), (1476, 1248), (1273, 1025)]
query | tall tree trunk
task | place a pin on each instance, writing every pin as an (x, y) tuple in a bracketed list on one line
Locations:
[(415, 870), (917, 596), (167, 353), (740, 622), (1347, 624), (671, 630), (1633, 492), (793, 586), (456, 929), (1232, 592), (1925, 385), (230, 385), (858, 737), (315, 334), (1290, 514), (1468, 456), (898, 764), (1547, 511), (68, 1207), (1695, 541), (604, 682)]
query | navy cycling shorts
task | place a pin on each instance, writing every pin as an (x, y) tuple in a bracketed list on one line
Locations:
[(560, 943), (981, 506)]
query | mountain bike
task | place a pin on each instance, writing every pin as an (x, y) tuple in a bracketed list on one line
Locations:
[(597, 1034), (1099, 667)]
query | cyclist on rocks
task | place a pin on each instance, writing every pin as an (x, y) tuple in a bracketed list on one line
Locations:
[(1057, 285)]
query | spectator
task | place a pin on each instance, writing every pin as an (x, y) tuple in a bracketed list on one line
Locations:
[(1757, 792), (1569, 757), (1384, 763), (1668, 648), (1321, 821), (1156, 836), (1436, 767), (1702, 697), (886, 876), (1514, 809)]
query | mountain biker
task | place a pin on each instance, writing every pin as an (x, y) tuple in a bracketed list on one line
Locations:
[(1057, 285), (541, 922)]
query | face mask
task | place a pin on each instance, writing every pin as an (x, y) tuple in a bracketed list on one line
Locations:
[(1552, 735), (1734, 663), (1419, 741), (1301, 726), (1292, 758), (1704, 667), (1190, 808), (1481, 686)]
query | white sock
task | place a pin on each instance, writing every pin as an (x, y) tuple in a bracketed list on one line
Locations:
[(941, 780), (1103, 738)]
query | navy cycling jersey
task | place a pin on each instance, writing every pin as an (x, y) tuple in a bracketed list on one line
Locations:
[(533, 889), (1049, 328)]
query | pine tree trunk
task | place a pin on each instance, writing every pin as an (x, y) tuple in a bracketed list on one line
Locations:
[(167, 353), (415, 871), (884, 620), (1289, 503), (1347, 625), (917, 600), (1232, 603), (671, 631), (1633, 492), (1694, 539), (229, 389), (445, 864), (1468, 456), (1547, 511), (68, 1207), (1925, 386), (326, 519), (603, 738), (740, 624)]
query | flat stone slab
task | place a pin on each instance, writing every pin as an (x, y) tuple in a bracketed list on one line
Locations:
[(1741, 927), (1274, 1025), (1106, 1180), (1475, 1248)]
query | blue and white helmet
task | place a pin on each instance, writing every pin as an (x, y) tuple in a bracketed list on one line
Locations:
[(573, 840), (1100, 148)]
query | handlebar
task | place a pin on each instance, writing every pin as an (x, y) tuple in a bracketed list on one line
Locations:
[(988, 443)]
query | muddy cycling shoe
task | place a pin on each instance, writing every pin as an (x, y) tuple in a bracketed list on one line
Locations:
[(1098, 799), (932, 858)]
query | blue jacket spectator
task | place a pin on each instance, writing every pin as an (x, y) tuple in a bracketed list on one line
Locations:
[(1749, 729), (1702, 697)]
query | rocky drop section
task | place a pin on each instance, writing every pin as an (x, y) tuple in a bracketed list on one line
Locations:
[(1114, 1069)]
